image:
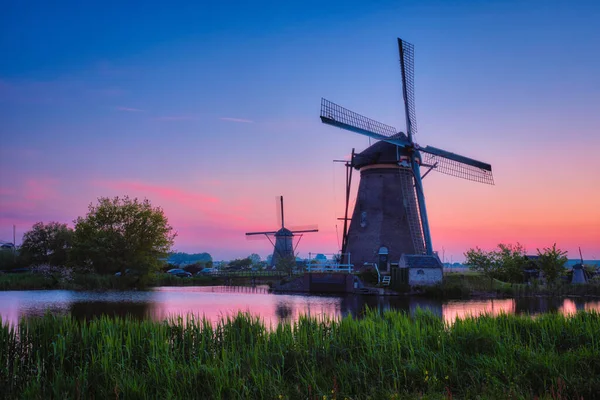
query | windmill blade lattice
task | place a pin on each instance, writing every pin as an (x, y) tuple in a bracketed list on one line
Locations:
[(341, 117), (459, 169), (407, 65)]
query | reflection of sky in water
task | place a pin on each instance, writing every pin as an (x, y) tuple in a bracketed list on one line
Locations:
[(217, 302)]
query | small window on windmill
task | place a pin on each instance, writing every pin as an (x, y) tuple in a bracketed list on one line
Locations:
[(363, 219)]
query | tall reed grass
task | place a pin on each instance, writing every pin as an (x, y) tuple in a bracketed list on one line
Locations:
[(380, 356)]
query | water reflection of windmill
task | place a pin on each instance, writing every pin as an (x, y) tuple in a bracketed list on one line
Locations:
[(390, 218), (283, 247)]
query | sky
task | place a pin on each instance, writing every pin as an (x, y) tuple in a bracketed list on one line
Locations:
[(211, 111)]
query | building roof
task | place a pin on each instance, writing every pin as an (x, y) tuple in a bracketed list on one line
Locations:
[(420, 261), (379, 153)]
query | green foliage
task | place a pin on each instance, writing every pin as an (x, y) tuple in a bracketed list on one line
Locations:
[(286, 264), (46, 244), (552, 262), (120, 233), (8, 259), (385, 355), (512, 262), (239, 263), (255, 258), (369, 275), (506, 263), (185, 258), (483, 262)]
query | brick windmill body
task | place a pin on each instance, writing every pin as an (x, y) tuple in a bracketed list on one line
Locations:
[(389, 221)]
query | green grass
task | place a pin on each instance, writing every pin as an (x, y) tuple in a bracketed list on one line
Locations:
[(32, 281), (469, 284), (91, 281), (380, 356)]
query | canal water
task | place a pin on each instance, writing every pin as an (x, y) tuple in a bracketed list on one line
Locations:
[(222, 301)]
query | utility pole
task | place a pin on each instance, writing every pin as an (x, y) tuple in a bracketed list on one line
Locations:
[(15, 242)]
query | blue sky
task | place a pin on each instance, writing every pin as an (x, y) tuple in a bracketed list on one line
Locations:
[(212, 110)]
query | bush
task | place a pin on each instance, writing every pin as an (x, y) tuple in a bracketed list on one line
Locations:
[(8, 260)]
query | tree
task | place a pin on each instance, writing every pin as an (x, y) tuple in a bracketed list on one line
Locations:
[(240, 263), (512, 262), (286, 264), (506, 263), (120, 233), (46, 244), (255, 258), (484, 262), (552, 263)]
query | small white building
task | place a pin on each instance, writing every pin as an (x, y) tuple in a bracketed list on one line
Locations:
[(420, 270)]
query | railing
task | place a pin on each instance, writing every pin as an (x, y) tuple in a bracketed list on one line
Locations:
[(250, 274), (329, 265)]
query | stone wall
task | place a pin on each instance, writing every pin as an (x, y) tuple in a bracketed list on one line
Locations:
[(424, 276)]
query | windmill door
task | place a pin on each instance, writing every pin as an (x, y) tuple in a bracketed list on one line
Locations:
[(382, 263)]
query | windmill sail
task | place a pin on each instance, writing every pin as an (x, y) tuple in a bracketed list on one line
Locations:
[(456, 165), (407, 66), (341, 117)]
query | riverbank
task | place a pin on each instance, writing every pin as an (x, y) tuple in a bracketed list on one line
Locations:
[(90, 281), (473, 285), (389, 355), (464, 285)]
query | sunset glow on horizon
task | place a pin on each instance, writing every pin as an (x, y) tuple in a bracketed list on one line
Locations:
[(212, 111)]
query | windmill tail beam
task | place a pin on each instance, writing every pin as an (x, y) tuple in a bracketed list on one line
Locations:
[(422, 207)]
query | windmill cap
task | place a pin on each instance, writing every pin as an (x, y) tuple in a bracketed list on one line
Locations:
[(284, 232), (380, 153)]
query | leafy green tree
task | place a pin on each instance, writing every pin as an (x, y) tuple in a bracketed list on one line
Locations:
[(552, 262), (46, 244), (512, 262), (506, 263), (121, 233), (240, 263), (255, 258), (484, 262), (286, 264), (185, 258), (8, 259)]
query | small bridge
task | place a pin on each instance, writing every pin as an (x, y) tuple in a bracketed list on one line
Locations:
[(252, 274)]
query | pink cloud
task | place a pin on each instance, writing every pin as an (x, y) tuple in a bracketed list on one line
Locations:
[(166, 192), (40, 189), (130, 109), (7, 191), (240, 120)]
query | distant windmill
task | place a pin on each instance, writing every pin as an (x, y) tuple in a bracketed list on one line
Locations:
[(389, 216), (283, 246)]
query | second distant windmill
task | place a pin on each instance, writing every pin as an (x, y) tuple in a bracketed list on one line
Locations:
[(283, 247)]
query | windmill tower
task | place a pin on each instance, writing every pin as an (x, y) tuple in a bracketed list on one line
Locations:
[(390, 218), (283, 247)]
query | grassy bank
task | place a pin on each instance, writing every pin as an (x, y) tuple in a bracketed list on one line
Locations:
[(380, 356), (473, 284), (32, 281)]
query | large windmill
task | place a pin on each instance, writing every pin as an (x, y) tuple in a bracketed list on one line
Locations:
[(390, 217), (284, 238)]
